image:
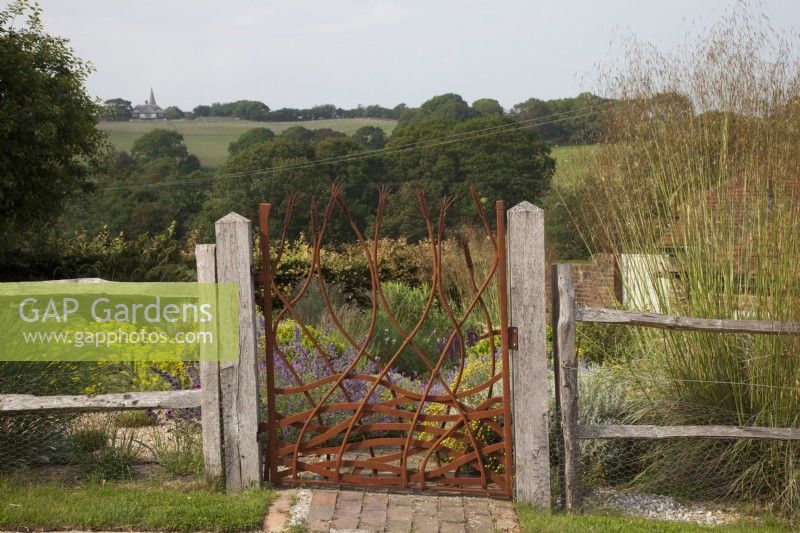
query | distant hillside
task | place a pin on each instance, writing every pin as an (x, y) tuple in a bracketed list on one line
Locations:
[(209, 139)]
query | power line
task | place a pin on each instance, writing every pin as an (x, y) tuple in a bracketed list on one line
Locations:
[(448, 139), (460, 136)]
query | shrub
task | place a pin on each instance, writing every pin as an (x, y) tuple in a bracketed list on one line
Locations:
[(407, 304)]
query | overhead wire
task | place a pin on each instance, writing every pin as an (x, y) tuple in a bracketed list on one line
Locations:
[(417, 145)]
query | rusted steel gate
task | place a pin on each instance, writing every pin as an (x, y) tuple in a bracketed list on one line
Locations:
[(353, 419)]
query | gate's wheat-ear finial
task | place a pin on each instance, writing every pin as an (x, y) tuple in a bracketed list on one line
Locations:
[(476, 201), (292, 200)]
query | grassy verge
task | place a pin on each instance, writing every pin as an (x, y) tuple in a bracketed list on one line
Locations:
[(533, 521), (125, 506)]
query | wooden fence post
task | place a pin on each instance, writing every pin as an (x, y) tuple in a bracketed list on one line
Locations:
[(567, 386), (209, 377), (529, 396), (238, 379)]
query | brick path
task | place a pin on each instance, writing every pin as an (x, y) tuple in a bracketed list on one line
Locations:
[(372, 511)]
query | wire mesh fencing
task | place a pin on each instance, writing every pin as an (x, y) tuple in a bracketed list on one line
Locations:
[(76, 444), (622, 381)]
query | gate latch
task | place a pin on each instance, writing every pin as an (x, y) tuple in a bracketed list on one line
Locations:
[(513, 338)]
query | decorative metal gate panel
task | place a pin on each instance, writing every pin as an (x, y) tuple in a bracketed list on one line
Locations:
[(345, 412)]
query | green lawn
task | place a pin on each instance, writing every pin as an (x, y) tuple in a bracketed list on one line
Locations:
[(535, 522), (151, 507), (209, 139)]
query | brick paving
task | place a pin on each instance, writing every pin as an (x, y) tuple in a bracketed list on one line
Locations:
[(343, 511)]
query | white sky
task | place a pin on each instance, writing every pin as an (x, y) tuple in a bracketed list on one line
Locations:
[(298, 53)]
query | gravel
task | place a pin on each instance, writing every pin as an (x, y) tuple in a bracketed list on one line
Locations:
[(658, 507), (299, 511)]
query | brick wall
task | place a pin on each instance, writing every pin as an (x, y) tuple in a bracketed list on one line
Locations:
[(597, 282)]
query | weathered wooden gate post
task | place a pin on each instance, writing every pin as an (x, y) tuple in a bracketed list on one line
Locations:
[(566, 363), (205, 255), (529, 395), (238, 379)]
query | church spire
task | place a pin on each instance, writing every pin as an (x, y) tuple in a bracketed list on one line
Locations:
[(152, 100)]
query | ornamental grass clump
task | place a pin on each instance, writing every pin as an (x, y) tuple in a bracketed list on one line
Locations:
[(699, 183)]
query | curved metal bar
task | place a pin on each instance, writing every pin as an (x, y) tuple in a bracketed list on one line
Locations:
[(398, 351), (435, 252), (373, 320), (457, 425), (487, 317)]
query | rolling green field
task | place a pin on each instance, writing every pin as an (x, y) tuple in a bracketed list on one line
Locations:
[(209, 139), (572, 163)]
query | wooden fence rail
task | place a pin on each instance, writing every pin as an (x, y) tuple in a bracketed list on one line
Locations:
[(636, 431), (602, 315), (175, 399), (565, 316), (228, 393)]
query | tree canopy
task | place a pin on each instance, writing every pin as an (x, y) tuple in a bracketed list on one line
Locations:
[(243, 109), (117, 109), (158, 143), (487, 107), (173, 113), (271, 171), (48, 122), (565, 120), (452, 146), (250, 138), (453, 149), (371, 137)]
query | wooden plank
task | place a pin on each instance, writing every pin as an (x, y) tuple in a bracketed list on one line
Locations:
[(656, 320), (238, 380), (557, 380), (209, 377), (180, 399), (568, 387), (529, 396), (669, 432)]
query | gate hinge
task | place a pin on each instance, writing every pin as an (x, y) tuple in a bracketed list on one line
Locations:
[(513, 338)]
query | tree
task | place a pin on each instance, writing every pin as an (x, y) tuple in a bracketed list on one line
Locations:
[(250, 138), (371, 137), (399, 110), (566, 120), (124, 201), (159, 143), (487, 107), (243, 109), (320, 112), (173, 113), (285, 114), (270, 171), (48, 122), (327, 133), (201, 111), (189, 164), (485, 151), (117, 109), (448, 107), (297, 133), (251, 110)]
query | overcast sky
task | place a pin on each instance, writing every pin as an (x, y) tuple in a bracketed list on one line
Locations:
[(299, 53)]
